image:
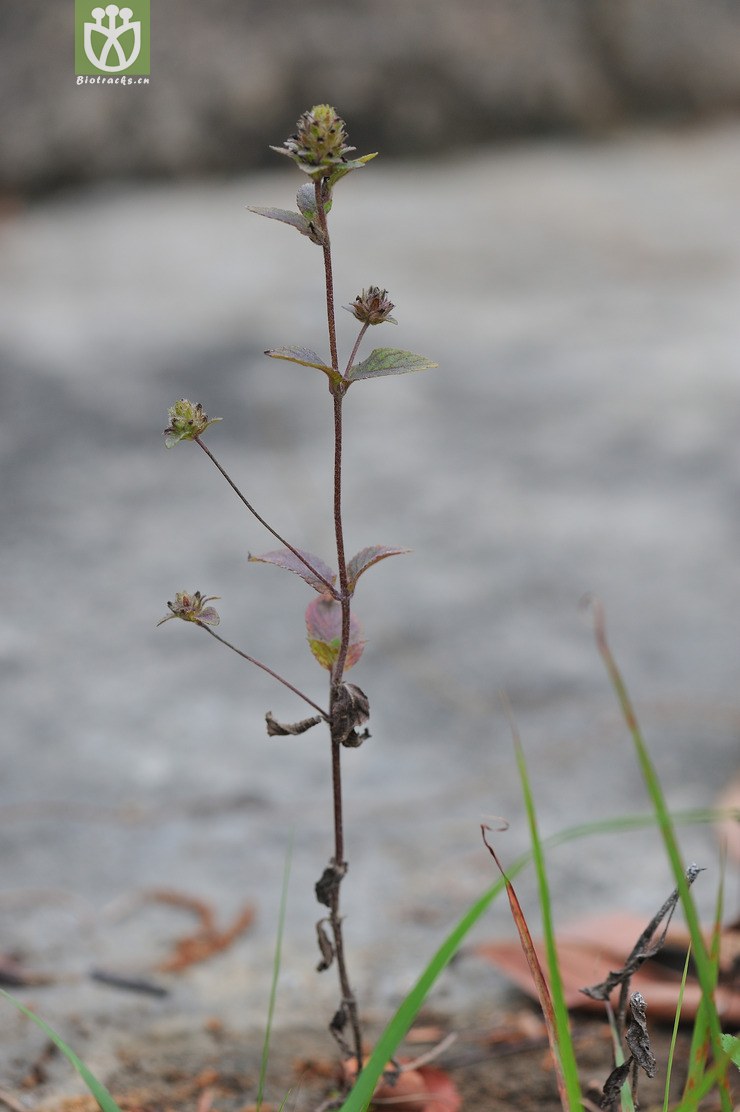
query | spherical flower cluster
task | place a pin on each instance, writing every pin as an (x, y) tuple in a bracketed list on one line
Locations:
[(187, 420), (319, 143), (372, 306)]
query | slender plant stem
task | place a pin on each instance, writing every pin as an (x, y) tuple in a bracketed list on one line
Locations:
[(349, 1008), (328, 274), (358, 341), (264, 667), (329, 586), (344, 596)]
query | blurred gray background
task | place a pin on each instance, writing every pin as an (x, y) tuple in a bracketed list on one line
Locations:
[(415, 77), (555, 215)]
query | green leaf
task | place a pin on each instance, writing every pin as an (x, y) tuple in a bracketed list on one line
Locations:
[(285, 216), (305, 358), (731, 1046), (98, 1090), (365, 559), (389, 361), (306, 201), (355, 164)]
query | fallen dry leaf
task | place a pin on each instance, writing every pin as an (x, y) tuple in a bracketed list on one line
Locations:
[(587, 951), (202, 943), (415, 1089)]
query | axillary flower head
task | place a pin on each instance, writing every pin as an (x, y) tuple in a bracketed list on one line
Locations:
[(372, 306), (193, 608), (319, 146), (187, 420)]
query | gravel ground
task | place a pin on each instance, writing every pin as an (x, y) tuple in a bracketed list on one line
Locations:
[(579, 435)]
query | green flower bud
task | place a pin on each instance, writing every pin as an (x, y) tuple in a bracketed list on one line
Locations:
[(186, 422), (319, 146)]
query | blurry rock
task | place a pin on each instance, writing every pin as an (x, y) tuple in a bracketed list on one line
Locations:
[(230, 77)]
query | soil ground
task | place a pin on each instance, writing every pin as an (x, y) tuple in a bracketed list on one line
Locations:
[(495, 1071)]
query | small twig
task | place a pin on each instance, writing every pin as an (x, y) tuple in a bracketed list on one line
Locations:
[(358, 341), (329, 586), (431, 1054), (10, 1102), (264, 667), (205, 1101), (128, 984)]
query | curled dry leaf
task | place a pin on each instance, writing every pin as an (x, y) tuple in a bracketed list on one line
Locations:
[(637, 1037), (285, 729)]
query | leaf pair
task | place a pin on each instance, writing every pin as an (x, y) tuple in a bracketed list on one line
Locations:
[(324, 614), (319, 575), (380, 363)]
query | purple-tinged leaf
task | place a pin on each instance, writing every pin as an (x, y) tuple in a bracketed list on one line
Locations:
[(365, 559), (305, 358), (209, 616), (324, 629), (284, 558), (389, 361)]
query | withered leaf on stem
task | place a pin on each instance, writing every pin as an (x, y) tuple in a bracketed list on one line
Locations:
[(328, 883), (644, 948), (610, 1094), (339, 1021), (281, 729), (636, 1035), (325, 946), (350, 708)]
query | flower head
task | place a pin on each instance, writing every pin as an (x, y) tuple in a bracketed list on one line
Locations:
[(319, 146), (192, 608), (186, 422), (372, 306)]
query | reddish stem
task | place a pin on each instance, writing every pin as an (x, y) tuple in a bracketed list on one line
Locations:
[(338, 389)]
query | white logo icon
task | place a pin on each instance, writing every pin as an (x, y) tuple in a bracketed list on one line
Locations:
[(111, 35)]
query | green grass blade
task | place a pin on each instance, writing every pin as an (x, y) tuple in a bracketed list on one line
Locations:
[(359, 1098), (700, 1040), (568, 1066), (537, 973), (674, 1033), (731, 1046), (702, 959), (98, 1090), (395, 1032), (276, 964)]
